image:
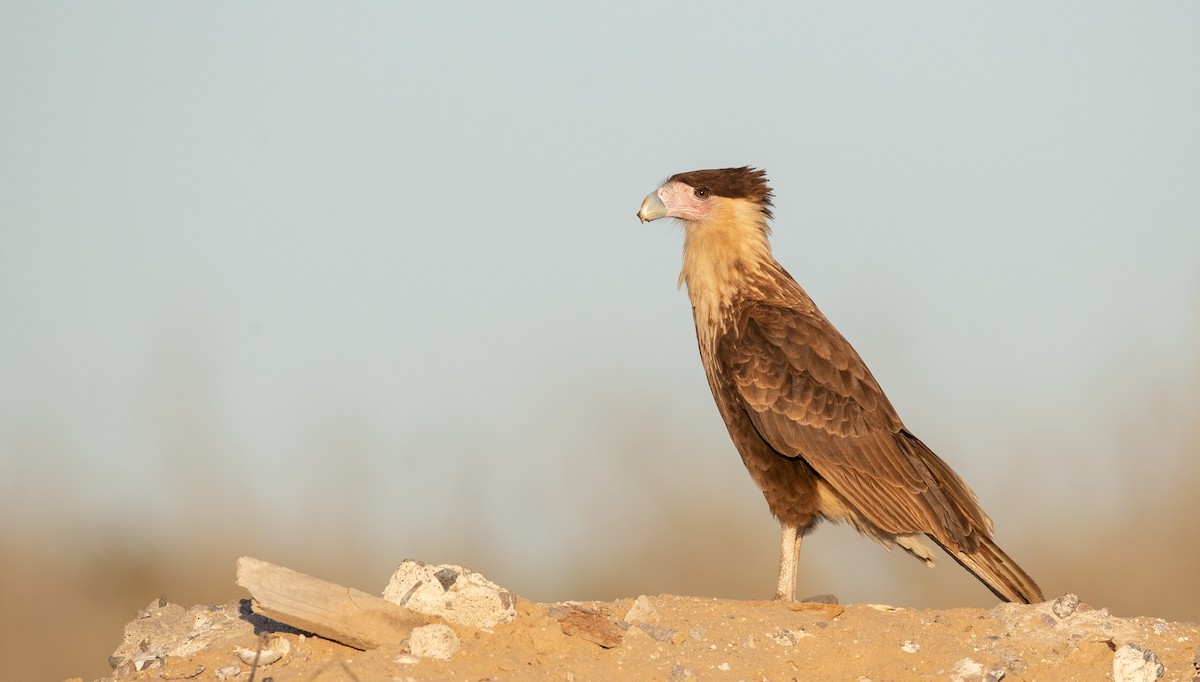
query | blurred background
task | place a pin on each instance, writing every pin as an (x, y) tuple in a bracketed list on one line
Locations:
[(338, 285)]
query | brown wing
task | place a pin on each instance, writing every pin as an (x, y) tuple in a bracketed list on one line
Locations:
[(810, 395)]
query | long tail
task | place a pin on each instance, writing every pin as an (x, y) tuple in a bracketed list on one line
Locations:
[(987, 562), (1001, 574)]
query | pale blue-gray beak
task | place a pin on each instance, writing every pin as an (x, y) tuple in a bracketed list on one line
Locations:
[(652, 208)]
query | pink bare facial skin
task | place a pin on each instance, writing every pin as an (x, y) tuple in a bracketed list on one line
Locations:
[(681, 201)]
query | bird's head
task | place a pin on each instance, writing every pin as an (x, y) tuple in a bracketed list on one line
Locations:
[(720, 194)]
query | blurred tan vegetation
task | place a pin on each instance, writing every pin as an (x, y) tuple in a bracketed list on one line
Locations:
[(1122, 535)]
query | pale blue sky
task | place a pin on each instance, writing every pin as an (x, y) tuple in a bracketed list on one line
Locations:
[(371, 264)]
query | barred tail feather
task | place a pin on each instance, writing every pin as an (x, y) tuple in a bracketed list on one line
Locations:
[(1001, 574)]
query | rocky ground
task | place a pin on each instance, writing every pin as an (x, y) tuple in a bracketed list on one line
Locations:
[(472, 635)]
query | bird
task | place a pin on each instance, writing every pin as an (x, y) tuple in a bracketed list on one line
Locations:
[(813, 428)]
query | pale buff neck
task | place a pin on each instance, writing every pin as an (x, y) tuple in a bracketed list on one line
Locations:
[(723, 256)]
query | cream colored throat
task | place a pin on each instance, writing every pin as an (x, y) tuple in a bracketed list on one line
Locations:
[(721, 258)]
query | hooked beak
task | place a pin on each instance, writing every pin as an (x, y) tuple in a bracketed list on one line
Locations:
[(652, 208)]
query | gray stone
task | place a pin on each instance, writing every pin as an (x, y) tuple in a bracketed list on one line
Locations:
[(680, 673), (164, 629), (820, 599), (1065, 605), (454, 593), (1131, 663), (785, 637), (1011, 660), (657, 632)]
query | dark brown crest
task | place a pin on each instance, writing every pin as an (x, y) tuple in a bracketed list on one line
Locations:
[(733, 183)]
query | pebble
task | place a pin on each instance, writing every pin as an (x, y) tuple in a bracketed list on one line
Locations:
[(227, 671), (147, 660), (658, 632), (1011, 660), (433, 641), (1065, 605), (820, 599), (272, 650), (679, 673), (785, 637), (967, 670), (642, 611), (910, 647), (1131, 663)]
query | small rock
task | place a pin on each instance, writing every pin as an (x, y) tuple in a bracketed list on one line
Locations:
[(406, 659), (967, 670), (271, 651), (151, 636), (433, 641), (724, 667), (1160, 627), (576, 621), (680, 673), (785, 637), (642, 611), (910, 647), (228, 671), (697, 633), (454, 593), (820, 599), (147, 660), (1011, 660), (658, 632), (1131, 663), (1065, 605)]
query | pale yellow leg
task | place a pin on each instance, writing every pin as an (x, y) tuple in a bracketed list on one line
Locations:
[(789, 558)]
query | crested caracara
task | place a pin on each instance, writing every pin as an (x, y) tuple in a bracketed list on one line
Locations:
[(814, 429)]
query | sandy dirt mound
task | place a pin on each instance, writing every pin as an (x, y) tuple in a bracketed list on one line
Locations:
[(676, 638)]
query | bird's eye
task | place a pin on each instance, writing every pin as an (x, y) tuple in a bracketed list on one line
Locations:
[(701, 192)]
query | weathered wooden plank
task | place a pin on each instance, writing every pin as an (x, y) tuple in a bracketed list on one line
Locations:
[(342, 614)]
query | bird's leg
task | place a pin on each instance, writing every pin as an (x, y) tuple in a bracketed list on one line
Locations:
[(789, 558)]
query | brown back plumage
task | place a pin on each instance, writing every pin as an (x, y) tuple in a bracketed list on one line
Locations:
[(809, 395)]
